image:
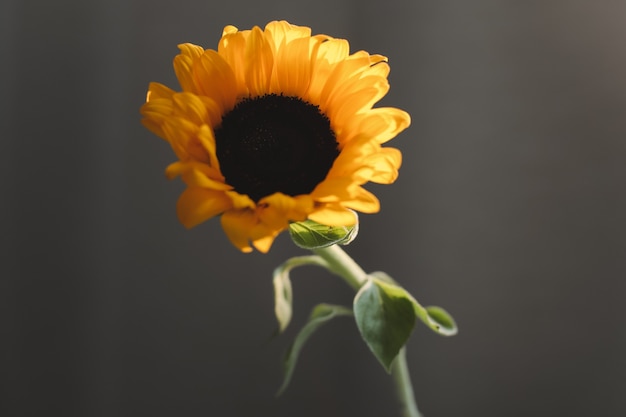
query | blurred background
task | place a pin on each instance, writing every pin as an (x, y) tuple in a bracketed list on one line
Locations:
[(510, 212)]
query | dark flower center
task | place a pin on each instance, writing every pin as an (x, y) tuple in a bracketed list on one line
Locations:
[(275, 143)]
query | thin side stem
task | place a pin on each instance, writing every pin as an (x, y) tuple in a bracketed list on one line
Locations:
[(344, 266), (404, 388)]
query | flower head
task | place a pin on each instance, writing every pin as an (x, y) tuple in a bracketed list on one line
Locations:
[(276, 126)]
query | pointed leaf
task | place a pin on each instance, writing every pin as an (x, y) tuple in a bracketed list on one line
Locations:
[(385, 316), (320, 315), (312, 235), (283, 294)]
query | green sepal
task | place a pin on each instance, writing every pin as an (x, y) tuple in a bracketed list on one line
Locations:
[(312, 235), (436, 318), (385, 317), (283, 294), (321, 314)]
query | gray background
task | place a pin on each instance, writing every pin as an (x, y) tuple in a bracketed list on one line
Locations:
[(510, 211)]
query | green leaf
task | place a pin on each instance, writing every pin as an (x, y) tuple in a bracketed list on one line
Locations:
[(321, 314), (312, 235), (441, 321), (385, 316), (283, 297), (436, 318), (283, 294), (382, 276)]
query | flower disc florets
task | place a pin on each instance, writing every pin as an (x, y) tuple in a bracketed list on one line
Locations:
[(275, 144), (276, 126)]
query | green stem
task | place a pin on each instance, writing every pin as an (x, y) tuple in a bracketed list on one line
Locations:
[(344, 266), (404, 388)]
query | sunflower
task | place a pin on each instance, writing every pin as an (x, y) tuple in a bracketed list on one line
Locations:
[(276, 126)]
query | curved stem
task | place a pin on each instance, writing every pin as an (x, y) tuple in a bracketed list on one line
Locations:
[(343, 265)]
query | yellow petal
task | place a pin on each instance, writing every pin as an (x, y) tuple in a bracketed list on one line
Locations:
[(325, 57), (214, 78), (197, 205), (229, 29), (232, 48), (346, 107), (366, 81), (378, 66), (158, 90), (155, 112), (334, 215), (206, 137), (345, 191), (362, 201), (241, 201), (158, 108), (196, 178), (385, 165), (350, 160), (180, 168), (273, 210), (333, 51), (333, 190), (352, 66), (183, 64), (282, 32), (238, 225), (182, 135), (293, 67), (304, 205), (264, 243), (381, 124), (154, 127), (214, 112), (259, 63), (278, 209), (191, 107)]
